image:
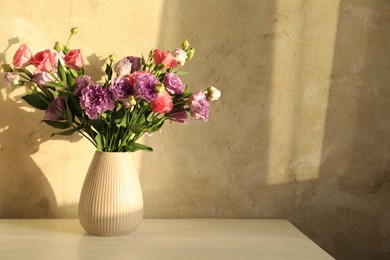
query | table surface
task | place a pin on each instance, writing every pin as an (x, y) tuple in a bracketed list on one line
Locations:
[(158, 239)]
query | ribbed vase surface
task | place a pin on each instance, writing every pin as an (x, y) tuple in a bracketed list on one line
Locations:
[(111, 201)]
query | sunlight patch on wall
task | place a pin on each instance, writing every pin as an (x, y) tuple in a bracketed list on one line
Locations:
[(302, 65)]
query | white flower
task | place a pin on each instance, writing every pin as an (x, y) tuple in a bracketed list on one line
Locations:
[(11, 79), (213, 93), (180, 56), (123, 67)]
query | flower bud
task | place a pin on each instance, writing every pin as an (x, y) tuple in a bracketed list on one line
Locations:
[(58, 46), (190, 53), (31, 87), (131, 100), (185, 45), (6, 67), (112, 57), (213, 93), (74, 30), (159, 88)]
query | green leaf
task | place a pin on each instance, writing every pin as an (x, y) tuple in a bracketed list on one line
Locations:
[(137, 128), (62, 93), (133, 147), (48, 93), (99, 142), (70, 82), (108, 71), (66, 132), (74, 73), (25, 71), (35, 101), (53, 84), (123, 121), (61, 71), (57, 124), (156, 126), (69, 114), (149, 117), (97, 124)]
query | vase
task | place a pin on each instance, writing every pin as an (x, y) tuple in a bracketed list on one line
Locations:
[(111, 201)]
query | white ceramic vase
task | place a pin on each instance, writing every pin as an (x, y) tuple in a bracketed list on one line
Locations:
[(111, 201)]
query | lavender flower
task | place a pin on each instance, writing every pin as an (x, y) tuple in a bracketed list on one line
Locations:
[(42, 78), (127, 65), (144, 84), (178, 115), (199, 106), (54, 111), (120, 88), (95, 100), (81, 83), (11, 79), (173, 83)]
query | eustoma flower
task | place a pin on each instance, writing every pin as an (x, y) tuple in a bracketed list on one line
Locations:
[(178, 115), (43, 61), (81, 83), (55, 110), (74, 60), (144, 83), (164, 57), (162, 103), (11, 79), (180, 56), (127, 65), (199, 106), (121, 89), (42, 78), (173, 84), (95, 100), (22, 57)]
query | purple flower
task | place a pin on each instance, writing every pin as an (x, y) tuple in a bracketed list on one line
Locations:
[(178, 115), (42, 78), (54, 111), (127, 65), (173, 83), (95, 100), (144, 84), (81, 83), (199, 106), (120, 88)]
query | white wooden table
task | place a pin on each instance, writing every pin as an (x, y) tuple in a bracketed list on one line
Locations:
[(158, 239)]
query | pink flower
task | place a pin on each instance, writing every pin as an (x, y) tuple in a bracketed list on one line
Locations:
[(164, 57), (162, 103), (22, 57), (43, 61), (74, 60)]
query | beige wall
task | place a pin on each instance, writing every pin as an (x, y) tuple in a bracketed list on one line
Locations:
[(302, 130)]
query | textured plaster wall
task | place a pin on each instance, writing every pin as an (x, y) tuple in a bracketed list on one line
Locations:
[(302, 130)]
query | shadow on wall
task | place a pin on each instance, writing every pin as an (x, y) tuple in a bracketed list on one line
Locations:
[(25, 192), (220, 169)]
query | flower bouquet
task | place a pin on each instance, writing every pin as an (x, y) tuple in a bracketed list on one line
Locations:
[(144, 93)]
